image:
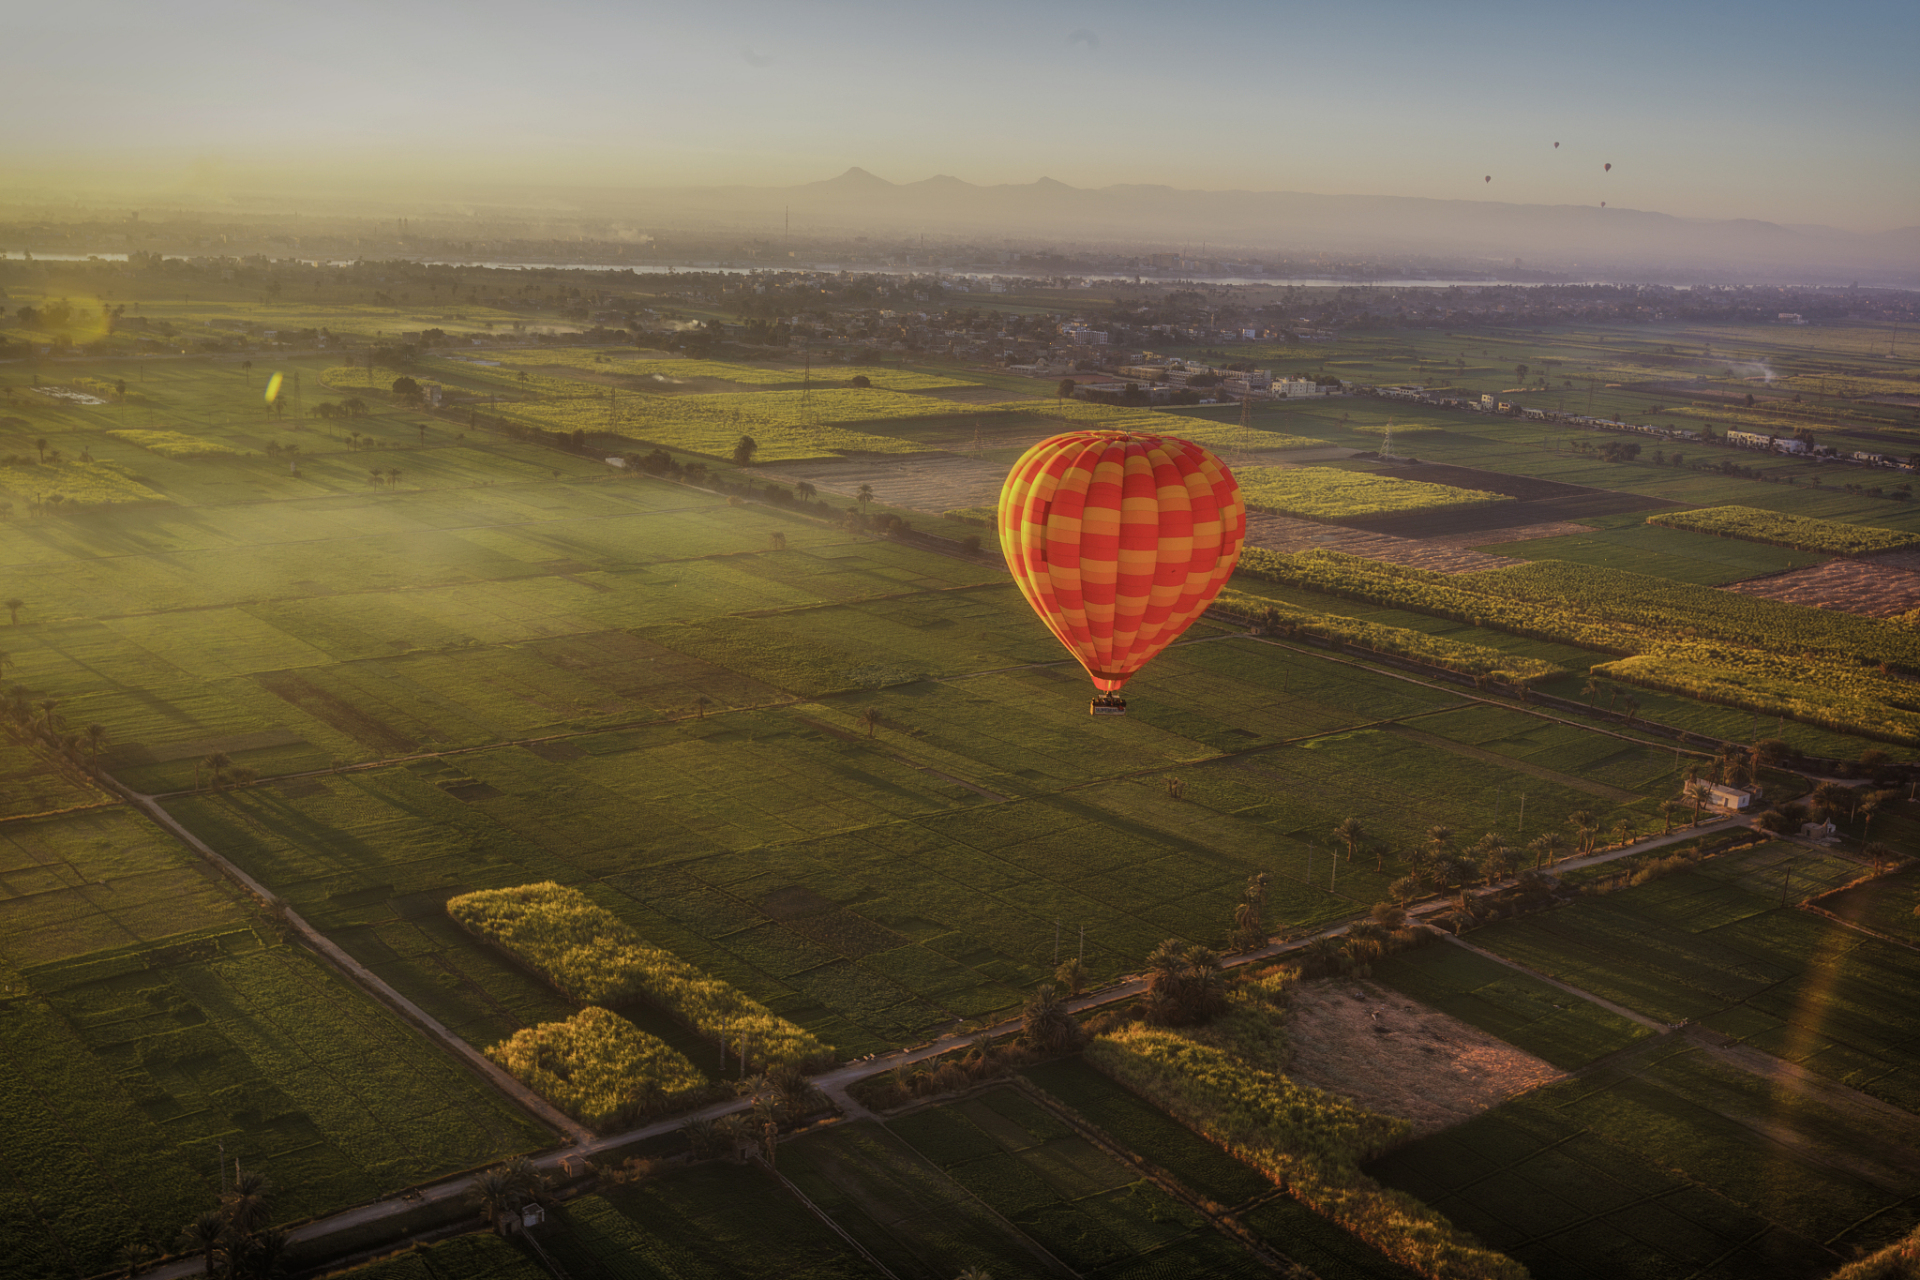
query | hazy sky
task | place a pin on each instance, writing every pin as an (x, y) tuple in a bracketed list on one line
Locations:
[(1788, 112)]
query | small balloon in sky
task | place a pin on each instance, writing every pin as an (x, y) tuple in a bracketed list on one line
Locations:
[(1489, 177), (1603, 204), (273, 388), (1556, 146), (1607, 169)]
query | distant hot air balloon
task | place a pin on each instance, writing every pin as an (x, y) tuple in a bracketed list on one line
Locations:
[(1607, 169), (1119, 541), (1603, 204), (1489, 177), (1556, 146)]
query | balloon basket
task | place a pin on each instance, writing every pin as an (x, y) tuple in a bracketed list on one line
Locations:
[(1107, 704)]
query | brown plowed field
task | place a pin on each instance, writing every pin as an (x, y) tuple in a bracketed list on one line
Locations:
[(1875, 588)]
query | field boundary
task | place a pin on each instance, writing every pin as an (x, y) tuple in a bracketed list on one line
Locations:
[(345, 964)]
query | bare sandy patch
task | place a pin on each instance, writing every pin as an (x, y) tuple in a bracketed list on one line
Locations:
[(1394, 1055), (1875, 588)]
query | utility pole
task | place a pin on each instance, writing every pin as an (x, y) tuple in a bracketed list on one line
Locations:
[(1083, 942), (1520, 831), (1056, 944)]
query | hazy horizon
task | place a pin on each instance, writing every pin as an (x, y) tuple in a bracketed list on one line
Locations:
[(1776, 113)]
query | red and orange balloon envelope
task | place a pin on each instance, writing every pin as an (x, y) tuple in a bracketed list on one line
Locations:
[(1119, 541)]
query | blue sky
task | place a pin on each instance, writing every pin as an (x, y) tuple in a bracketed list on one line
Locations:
[(1791, 113)]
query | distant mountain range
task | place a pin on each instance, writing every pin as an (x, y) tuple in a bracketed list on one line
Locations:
[(1572, 238)]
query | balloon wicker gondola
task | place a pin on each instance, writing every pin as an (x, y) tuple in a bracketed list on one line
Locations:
[(1119, 542)]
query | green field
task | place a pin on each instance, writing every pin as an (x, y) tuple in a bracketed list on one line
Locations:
[(998, 1182), (1713, 945), (1648, 1169), (1326, 493), (854, 778)]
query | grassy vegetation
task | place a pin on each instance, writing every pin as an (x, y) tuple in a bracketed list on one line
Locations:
[(785, 425), (172, 444), (552, 672), (1647, 1168), (1781, 529), (1219, 1081), (1713, 944), (1776, 658), (1093, 1213), (1469, 659), (1326, 493), (589, 953), (599, 1068), (1529, 1014)]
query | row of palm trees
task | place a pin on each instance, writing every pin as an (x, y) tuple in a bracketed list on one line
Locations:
[(36, 716)]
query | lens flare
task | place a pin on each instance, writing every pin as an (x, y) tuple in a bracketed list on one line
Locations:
[(273, 388)]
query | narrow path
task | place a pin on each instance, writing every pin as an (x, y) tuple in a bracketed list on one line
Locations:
[(1619, 1010), (545, 1111)]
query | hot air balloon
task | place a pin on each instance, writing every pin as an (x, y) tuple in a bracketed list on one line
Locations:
[(1607, 169), (1119, 541), (1489, 177), (1556, 146), (1603, 204)]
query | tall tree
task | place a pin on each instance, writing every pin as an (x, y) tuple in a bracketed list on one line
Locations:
[(96, 735), (14, 605), (1350, 833)]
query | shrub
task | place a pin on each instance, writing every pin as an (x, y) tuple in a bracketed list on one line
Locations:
[(599, 1068), (588, 953)]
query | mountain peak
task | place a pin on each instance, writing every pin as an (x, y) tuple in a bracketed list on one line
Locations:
[(855, 179)]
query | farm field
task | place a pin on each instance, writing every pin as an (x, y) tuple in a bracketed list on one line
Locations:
[(1664, 1165), (850, 776), (994, 1180), (1713, 945), (152, 1022), (1280, 1223)]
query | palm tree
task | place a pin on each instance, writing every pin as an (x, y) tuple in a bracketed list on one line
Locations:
[(217, 763), (1350, 833), (41, 445), (1046, 1021), (1694, 789), (245, 1206), (804, 491), (1630, 705), (1494, 858), (702, 1137), (1438, 839), (700, 705), (1546, 847), (1869, 804), (863, 495), (393, 477), (1595, 686), (96, 735), (736, 1133), (1624, 831), (870, 717), (203, 1236), (1880, 851), (1831, 798), (498, 1197), (1072, 974), (1668, 808), (975, 1273), (46, 707), (1583, 823), (14, 605)]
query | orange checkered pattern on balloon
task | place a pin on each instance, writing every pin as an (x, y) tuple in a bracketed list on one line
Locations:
[(1119, 541)]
